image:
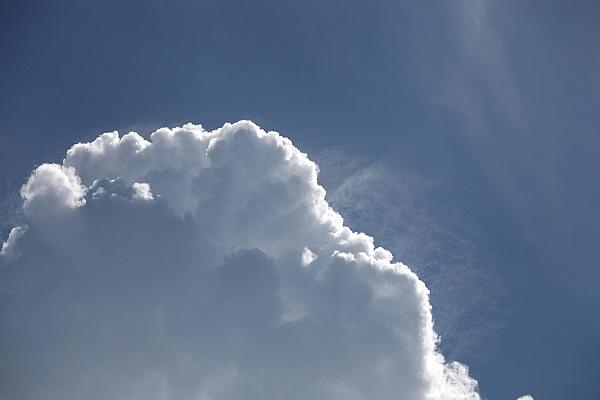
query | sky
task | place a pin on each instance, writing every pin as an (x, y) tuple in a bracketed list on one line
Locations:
[(462, 136)]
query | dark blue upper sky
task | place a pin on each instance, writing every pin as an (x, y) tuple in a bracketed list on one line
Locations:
[(495, 102)]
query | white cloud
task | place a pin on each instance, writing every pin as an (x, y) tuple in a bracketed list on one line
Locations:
[(526, 397), (206, 265), (8, 247), (141, 191), (308, 256), (51, 189)]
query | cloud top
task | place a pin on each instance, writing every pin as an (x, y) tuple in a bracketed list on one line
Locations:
[(206, 265)]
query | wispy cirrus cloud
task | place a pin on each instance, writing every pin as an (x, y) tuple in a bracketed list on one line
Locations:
[(398, 207)]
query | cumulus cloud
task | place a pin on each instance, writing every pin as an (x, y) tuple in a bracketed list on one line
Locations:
[(206, 265), (8, 251)]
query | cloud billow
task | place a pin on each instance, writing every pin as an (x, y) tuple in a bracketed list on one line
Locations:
[(206, 265)]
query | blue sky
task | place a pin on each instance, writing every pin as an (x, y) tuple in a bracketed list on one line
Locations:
[(472, 125)]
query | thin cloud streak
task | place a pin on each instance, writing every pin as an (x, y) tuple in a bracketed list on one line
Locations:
[(427, 236)]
